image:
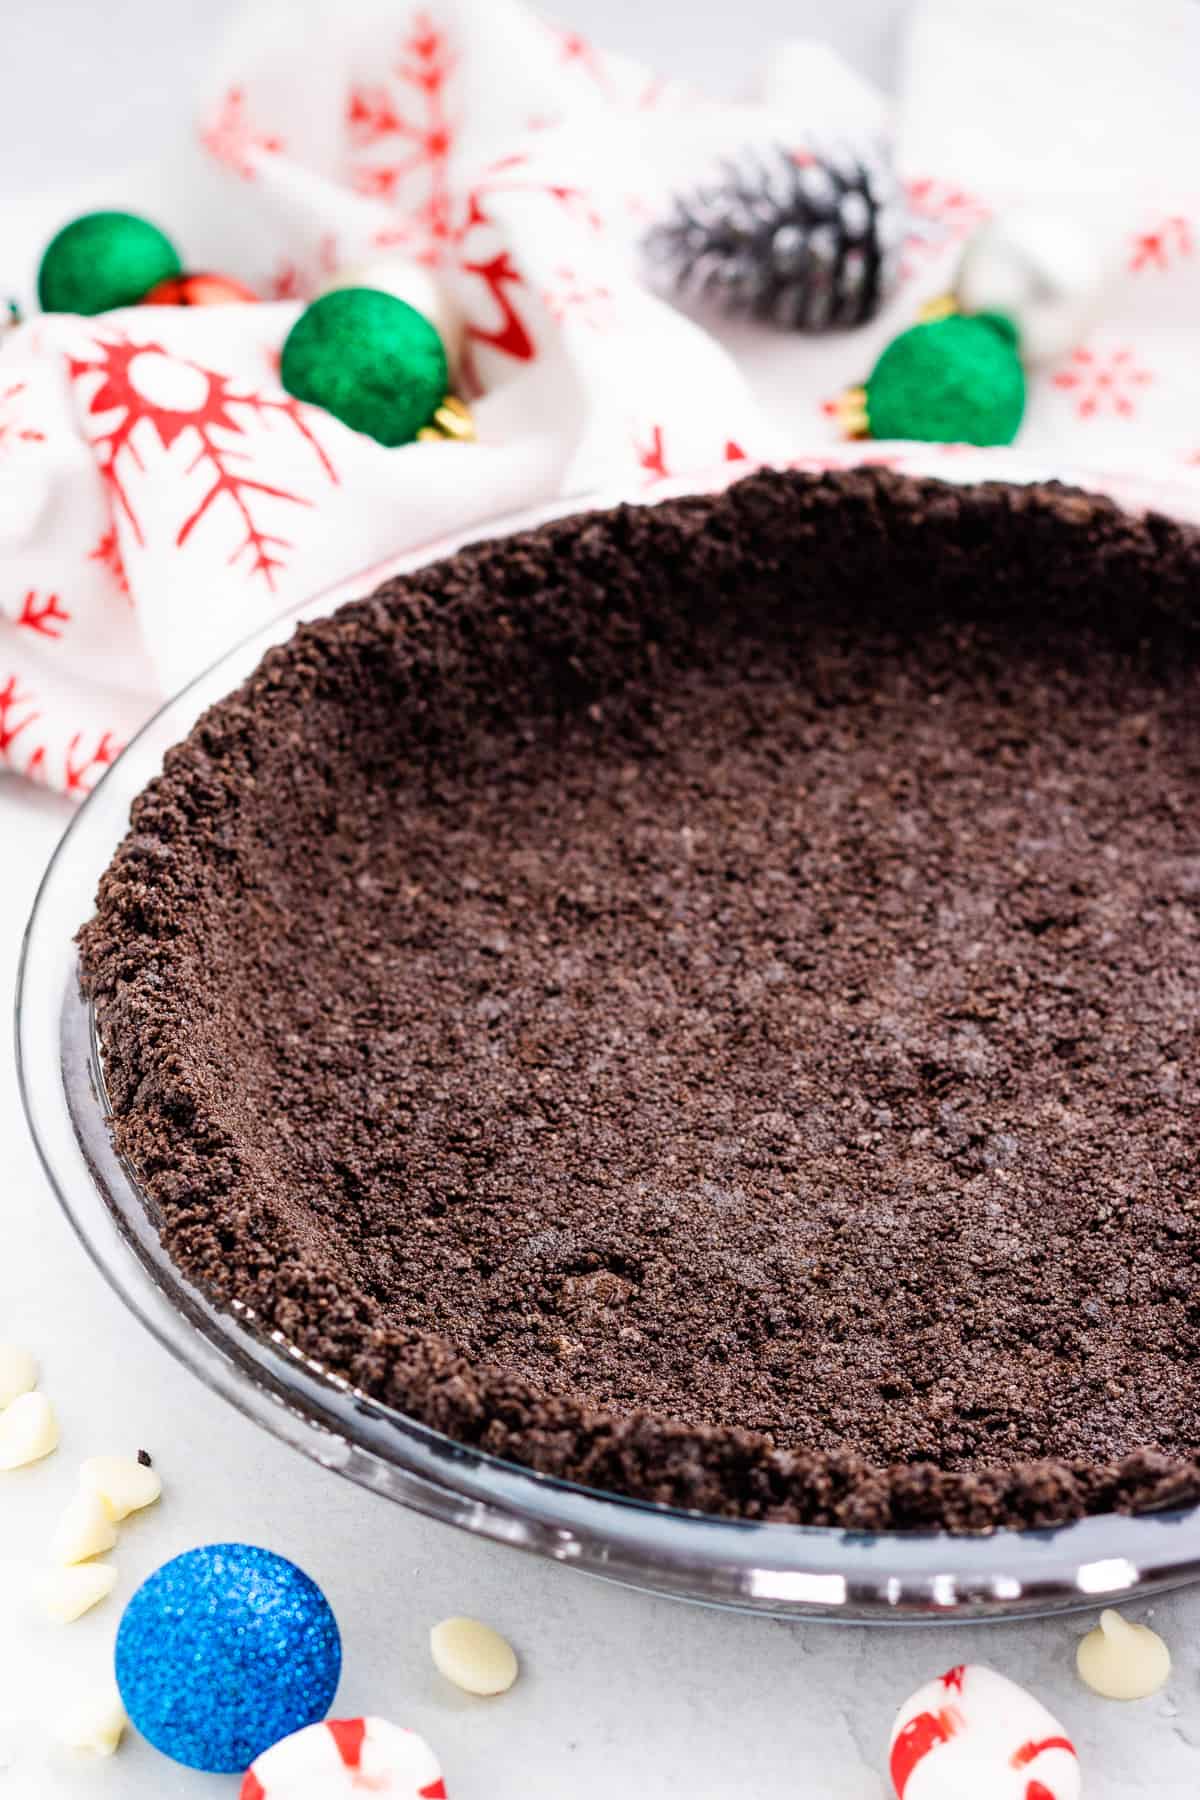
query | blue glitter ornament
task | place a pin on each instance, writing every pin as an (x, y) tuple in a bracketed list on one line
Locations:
[(224, 1651)]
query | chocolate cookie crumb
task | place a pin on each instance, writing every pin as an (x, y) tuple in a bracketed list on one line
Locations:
[(700, 1000)]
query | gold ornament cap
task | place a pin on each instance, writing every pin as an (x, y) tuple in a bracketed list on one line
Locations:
[(451, 423), (850, 413)]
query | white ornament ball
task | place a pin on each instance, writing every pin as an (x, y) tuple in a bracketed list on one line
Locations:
[(412, 282), (972, 1732), (1048, 272)]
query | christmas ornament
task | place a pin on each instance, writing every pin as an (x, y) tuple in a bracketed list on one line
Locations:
[(375, 364), (412, 282), (805, 241), (345, 1757), (972, 1731), (224, 1651), (950, 380), (198, 290), (1047, 273), (104, 260), (452, 419)]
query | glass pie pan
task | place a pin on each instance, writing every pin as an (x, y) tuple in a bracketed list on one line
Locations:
[(774, 1569)]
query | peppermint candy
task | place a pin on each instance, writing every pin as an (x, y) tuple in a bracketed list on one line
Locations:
[(346, 1757), (972, 1731)]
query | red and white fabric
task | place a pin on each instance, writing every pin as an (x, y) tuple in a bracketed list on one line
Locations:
[(344, 1757), (160, 494)]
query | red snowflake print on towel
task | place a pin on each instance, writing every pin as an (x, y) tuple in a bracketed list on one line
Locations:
[(215, 413), (399, 236), (18, 714), (499, 275), (107, 550), (577, 203), (511, 335), (43, 615), (291, 280), (1103, 382), (652, 454), (12, 431), (517, 174), (656, 90), (580, 53), (940, 214), (943, 203), (86, 760), (233, 140), (371, 116), (1163, 246), (587, 303), (285, 282), (618, 83), (418, 125)]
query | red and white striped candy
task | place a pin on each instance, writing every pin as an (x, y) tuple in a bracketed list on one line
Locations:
[(972, 1731), (345, 1757)]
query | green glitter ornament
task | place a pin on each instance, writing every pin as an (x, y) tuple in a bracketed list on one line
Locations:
[(951, 380), (102, 260), (373, 361)]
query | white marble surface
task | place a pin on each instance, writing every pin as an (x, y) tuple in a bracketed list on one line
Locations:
[(620, 1695)]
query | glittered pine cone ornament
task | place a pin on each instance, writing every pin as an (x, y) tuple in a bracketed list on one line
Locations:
[(803, 239), (953, 379)]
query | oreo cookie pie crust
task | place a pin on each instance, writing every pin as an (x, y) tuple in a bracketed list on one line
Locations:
[(701, 1001)]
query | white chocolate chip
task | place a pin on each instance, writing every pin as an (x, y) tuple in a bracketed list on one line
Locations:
[(124, 1484), (85, 1529), (18, 1373), (28, 1431), (473, 1656), (93, 1726), (68, 1593), (1122, 1661)]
